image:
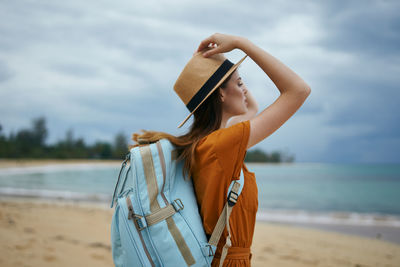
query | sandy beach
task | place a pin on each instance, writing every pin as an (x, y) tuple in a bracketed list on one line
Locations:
[(39, 233), (50, 232)]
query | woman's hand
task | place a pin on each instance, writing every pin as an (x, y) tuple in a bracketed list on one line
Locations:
[(218, 43)]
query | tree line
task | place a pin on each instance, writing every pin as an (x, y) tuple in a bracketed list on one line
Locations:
[(258, 155), (31, 143)]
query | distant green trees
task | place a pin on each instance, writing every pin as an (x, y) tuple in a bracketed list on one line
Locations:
[(258, 155), (31, 143), (26, 141)]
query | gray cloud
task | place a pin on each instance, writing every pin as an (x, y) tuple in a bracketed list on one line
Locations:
[(102, 67), (5, 72), (77, 69), (363, 26)]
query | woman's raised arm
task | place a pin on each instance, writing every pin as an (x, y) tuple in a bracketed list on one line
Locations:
[(293, 89)]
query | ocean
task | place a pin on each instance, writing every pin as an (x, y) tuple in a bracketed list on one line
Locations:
[(297, 193)]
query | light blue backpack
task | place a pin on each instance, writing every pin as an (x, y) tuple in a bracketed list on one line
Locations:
[(156, 221)]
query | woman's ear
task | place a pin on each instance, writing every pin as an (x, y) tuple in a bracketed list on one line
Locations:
[(221, 94)]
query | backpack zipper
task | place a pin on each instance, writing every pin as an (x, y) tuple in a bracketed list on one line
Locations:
[(128, 156), (127, 225), (131, 216)]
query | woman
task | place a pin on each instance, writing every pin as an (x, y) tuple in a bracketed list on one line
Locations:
[(225, 125)]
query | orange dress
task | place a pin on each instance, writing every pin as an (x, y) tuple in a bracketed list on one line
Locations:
[(219, 159)]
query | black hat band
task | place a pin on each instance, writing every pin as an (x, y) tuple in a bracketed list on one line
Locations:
[(209, 85)]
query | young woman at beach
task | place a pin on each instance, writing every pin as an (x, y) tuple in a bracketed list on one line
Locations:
[(225, 125)]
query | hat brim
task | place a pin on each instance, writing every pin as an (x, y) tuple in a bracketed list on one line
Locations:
[(229, 72)]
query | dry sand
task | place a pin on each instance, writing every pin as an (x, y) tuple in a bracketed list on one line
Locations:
[(35, 233)]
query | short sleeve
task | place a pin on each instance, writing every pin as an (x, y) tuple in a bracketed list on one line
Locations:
[(231, 147)]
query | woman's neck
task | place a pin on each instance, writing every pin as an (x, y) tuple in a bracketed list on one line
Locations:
[(224, 120)]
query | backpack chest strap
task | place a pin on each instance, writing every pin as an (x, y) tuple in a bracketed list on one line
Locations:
[(145, 221)]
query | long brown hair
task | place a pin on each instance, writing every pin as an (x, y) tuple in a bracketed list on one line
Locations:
[(207, 119)]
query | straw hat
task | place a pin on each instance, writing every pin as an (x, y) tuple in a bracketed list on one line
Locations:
[(201, 77)]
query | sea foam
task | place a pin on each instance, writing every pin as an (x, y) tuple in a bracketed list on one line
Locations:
[(327, 218)]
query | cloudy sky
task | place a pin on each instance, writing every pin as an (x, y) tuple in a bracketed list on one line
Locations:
[(101, 67)]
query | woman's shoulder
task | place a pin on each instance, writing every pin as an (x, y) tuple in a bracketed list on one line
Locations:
[(227, 146), (233, 133)]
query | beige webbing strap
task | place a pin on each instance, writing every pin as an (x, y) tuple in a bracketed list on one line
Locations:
[(223, 221), (160, 215), (228, 242), (162, 162), (150, 175), (180, 242), (219, 227), (174, 154), (152, 190)]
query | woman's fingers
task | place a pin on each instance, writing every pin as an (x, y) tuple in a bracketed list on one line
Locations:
[(204, 44), (219, 43), (212, 51)]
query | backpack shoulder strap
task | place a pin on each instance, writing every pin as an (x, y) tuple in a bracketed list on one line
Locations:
[(234, 192)]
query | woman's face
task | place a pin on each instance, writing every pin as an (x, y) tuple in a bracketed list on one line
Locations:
[(233, 96)]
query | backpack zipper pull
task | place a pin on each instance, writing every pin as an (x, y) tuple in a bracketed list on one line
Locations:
[(130, 210)]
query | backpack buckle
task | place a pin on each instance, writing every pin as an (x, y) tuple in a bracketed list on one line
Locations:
[(232, 198), (178, 205), (139, 221), (210, 251)]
